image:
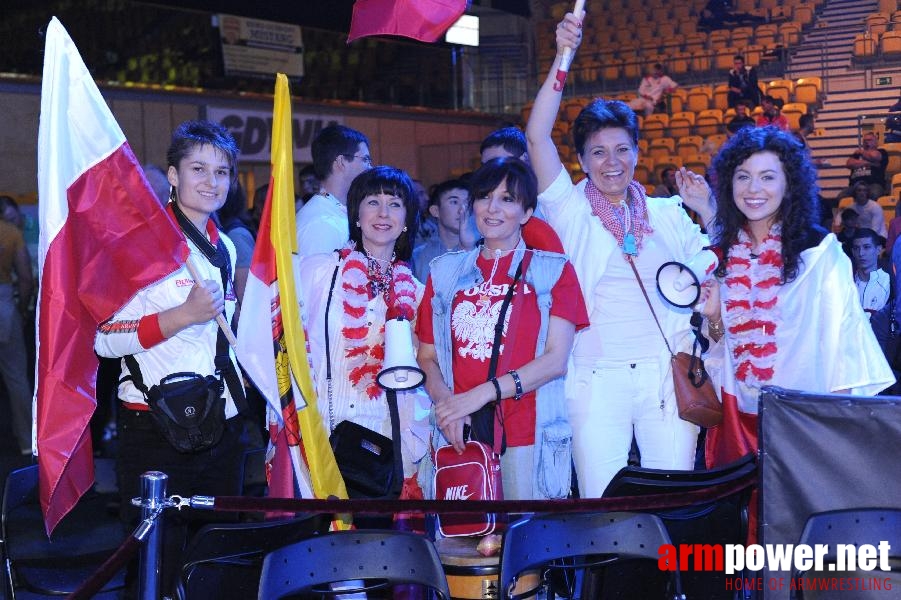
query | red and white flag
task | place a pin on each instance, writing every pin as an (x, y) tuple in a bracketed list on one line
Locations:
[(103, 237), (423, 20)]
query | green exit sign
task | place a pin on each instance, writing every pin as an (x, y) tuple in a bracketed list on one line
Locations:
[(883, 81)]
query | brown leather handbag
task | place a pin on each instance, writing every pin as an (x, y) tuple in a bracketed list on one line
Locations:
[(695, 396)]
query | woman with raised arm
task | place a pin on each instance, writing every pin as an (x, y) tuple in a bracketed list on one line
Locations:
[(621, 382)]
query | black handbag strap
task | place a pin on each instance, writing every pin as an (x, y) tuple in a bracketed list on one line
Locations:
[(390, 396), (499, 326), (648, 300)]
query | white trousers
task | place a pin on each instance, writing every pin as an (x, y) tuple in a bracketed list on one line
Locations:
[(608, 402)]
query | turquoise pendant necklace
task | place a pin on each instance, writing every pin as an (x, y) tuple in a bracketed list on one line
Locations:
[(629, 246)]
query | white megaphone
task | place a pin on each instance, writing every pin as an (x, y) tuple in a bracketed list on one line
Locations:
[(400, 371), (680, 284)]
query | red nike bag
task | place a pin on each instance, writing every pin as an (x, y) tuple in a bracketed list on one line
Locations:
[(473, 475)]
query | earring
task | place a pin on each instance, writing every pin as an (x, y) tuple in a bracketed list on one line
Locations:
[(358, 224), (171, 193), (405, 228)]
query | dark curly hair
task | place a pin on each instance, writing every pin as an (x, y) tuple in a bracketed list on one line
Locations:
[(799, 211), (383, 180)]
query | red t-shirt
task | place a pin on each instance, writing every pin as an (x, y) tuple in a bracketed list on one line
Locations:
[(474, 314)]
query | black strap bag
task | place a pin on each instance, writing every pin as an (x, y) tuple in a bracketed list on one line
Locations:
[(189, 410)]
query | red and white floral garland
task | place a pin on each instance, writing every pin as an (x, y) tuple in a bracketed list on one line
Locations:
[(364, 358), (752, 312)]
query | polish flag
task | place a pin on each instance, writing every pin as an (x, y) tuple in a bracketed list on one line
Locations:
[(103, 237), (423, 20)]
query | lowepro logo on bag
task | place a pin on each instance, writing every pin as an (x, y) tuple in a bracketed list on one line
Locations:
[(190, 412), (371, 447)]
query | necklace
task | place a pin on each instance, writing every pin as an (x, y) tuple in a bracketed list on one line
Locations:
[(625, 220), (379, 281)]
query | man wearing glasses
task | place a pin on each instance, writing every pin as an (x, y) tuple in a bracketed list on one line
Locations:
[(339, 154)]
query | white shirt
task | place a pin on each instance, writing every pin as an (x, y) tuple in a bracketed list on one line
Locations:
[(874, 292), (321, 225), (192, 349)]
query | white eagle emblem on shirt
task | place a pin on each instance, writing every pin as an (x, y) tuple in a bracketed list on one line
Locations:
[(473, 326)]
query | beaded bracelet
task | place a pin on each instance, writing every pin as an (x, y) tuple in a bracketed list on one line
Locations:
[(717, 329), (518, 383), (497, 389)]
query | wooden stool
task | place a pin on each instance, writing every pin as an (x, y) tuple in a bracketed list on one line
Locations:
[(471, 576)]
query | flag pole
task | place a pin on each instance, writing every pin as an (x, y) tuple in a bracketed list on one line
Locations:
[(567, 57), (220, 318)]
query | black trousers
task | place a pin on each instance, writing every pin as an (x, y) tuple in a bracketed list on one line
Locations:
[(213, 472)]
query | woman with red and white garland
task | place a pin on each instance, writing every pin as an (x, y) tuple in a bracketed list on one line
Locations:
[(786, 310), (353, 291)]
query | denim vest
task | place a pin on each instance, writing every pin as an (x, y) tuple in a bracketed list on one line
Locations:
[(457, 271)]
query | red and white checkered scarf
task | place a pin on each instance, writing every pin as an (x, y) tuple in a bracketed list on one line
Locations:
[(636, 204)]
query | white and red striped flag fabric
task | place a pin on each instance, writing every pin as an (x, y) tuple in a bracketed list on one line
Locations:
[(103, 237)]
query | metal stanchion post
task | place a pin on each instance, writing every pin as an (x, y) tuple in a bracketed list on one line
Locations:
[(153, 498)]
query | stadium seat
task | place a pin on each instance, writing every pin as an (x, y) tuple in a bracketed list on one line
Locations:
[(793, 112), (765, 35), (715, 141), (681, 123), (781, 88), (571, 110), (790, 33), (687, 26), (699, 98), (611, 69), (689, 145), (724, 58), (643, 169), (741, 36), (807, 90), (886, 202), (672, 162), (709, 122), (700, 60), (877, 23), (802, 14), (896, 184), (754, 55), (699, 163), (865, 46), (891, 44), (719, 38), (896, 18), (655, 126), (721, 96), (695, 42), (661, 147), (676, 100)]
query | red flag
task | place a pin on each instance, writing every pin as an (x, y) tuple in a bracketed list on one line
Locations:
[(104, 236), (423, 20)]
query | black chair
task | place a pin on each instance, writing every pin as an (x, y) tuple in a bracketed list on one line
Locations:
[(722, 521), (81, 542), (225, 560), (854, 526), (367, 560), (555, 542)]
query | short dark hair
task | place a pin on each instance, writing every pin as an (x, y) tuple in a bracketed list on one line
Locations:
[(305, 171), (805, 120), (383, 180), (520, 178), (191, 134), (862, 233), (739, 57), (332, 142), (511, 139), (234, 208), (604, 114), (444, 187)]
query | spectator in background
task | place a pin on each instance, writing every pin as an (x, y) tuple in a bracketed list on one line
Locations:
[(505, 142), (339, 155), (157, 179), (309, 184), (849, 218), (16, 286), (741, 119), (237, 224), (743, 84), (426, 225), (869, 212), (667, 186), (894, 230), (772, 114), (448, 205), (867, 165), (651, 91), (873, 284)]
